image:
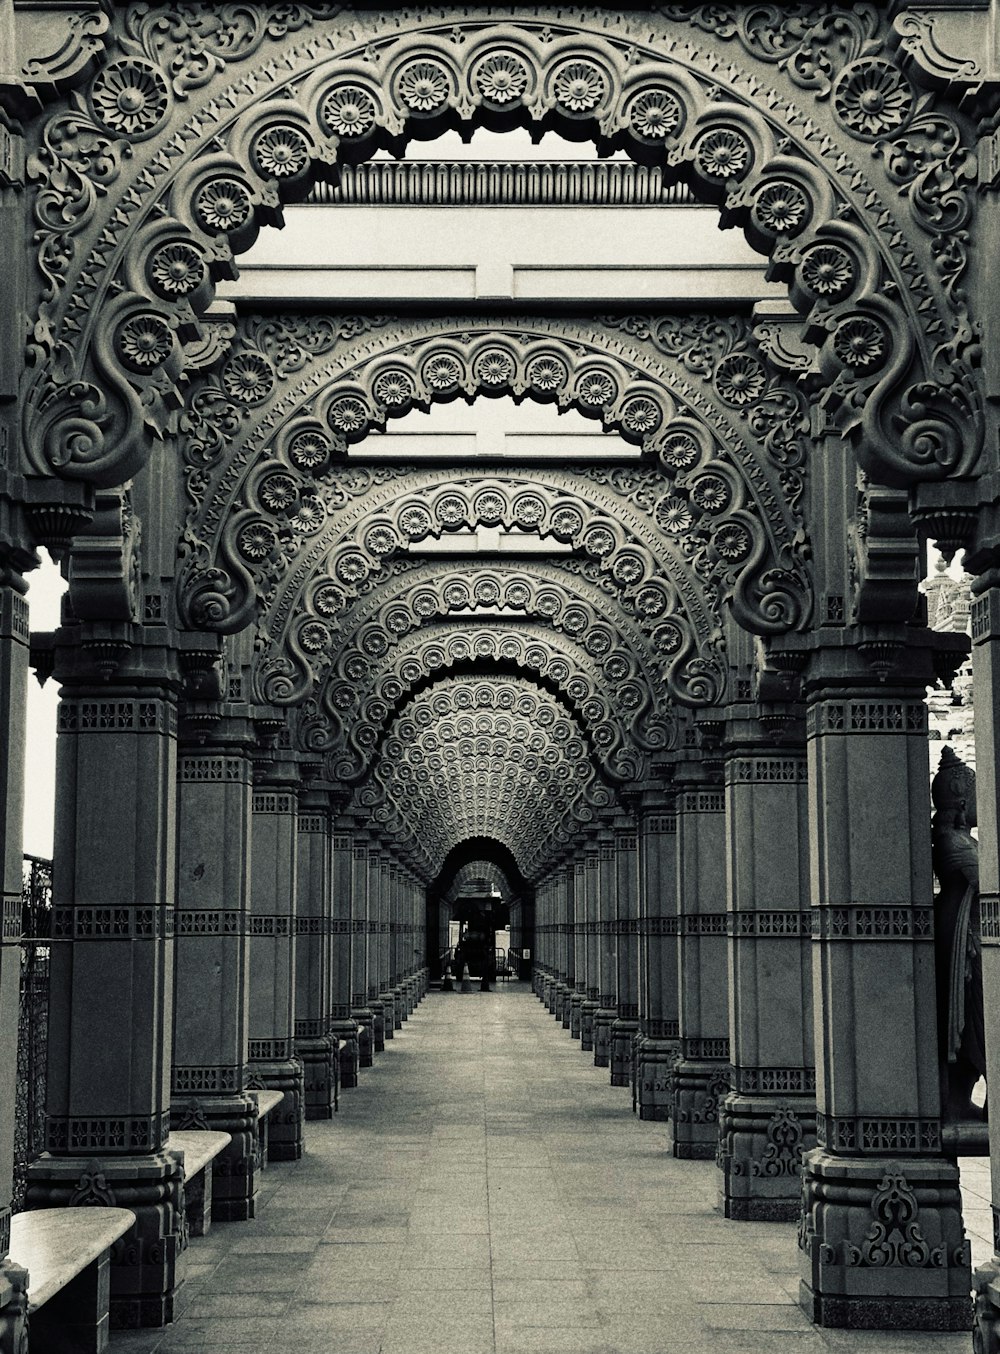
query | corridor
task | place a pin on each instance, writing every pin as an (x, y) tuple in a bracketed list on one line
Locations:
[(485, 1191)]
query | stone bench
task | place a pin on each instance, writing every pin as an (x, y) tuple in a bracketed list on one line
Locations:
[(66, 1252), (197, 1150), (267, 1102)]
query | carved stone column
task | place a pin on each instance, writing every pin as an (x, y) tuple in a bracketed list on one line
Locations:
[(701, 1076), (378, 944), (881, 1235), (211, 990), (567, 942), (986, 679), (392, 993), (560, 939), (578, 996), (110, 1014), (543, 942), (273, 889), (360, 1010), (314, 1045), (592, 904), (342, 1024), (607, 959), (658, 1045), (769, 1117), (13, 697), (626, 1025)]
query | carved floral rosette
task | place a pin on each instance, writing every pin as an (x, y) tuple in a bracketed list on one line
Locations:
[(806, 128)]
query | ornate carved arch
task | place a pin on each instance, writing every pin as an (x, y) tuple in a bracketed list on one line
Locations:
[(484, 757), (564, 611), (806, 125), (348, 721), (264, 470)]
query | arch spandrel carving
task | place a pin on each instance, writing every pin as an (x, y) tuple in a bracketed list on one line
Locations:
[(495, 757), (856, 183), (623, 715)]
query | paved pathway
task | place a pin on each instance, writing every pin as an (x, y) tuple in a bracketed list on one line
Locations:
[(486, 1191)]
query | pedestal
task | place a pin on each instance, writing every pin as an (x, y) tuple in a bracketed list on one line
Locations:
[(285, 1122), (234, 1170), (588, 1010), (346, 1032), (655, 1077), (623, 1036), (378, 1024), (882, 1244), (364, 1019), (148, 1264), (575, 1014)]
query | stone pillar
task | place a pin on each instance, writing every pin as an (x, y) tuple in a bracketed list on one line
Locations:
[(273, 889), (13, 698), (658, 1045), (567, 944), (769, 1117), (986, 689), (881, 1235), (560, 938), (581, 940), (701, 1076), (378, 937), (342, 1024), (391, 993), (314, 1045), (360, 1010), (211, 988), (543, 941), (607, 957), (112, 976), (626, 1025), (591, 893)]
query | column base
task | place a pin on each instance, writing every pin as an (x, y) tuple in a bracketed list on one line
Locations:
[(285, 1124), (882, 1245), (377, 1008), (655, 1077), (366, 1045), (148, 1263), (986, 1328), (623, 1035), (234, 1170), (319, 1065), (399, 1004), (588, 1010), (604, 1018), (761, 1141), (388, 1000), (13, 1308), (347, 1032), (575, 1003), (697, 1091)]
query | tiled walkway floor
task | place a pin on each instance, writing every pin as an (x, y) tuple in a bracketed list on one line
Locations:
[(486, 1191)]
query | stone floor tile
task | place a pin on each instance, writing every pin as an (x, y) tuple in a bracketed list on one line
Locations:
[(486, 1191)]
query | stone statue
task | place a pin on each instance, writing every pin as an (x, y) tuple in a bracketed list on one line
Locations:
[(958, 943)]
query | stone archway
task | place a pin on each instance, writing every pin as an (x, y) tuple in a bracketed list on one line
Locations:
[(235, 117)]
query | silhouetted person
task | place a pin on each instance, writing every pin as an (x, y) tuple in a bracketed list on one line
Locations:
[(957, 938)]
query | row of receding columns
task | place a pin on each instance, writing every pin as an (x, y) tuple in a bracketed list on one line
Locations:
[(211, 938), (764, 926)]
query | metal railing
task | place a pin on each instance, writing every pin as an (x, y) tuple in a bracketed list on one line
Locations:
[(33, 1019)]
